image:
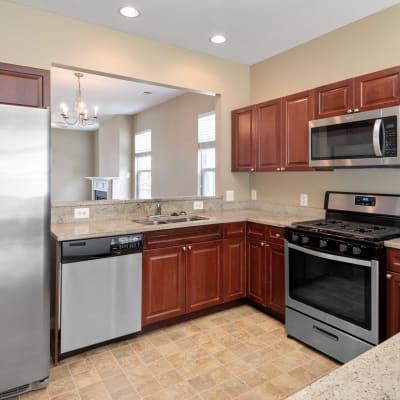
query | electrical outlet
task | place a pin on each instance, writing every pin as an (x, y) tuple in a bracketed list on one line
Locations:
[(81, 213), (198, 205), (230, 195), (254, 194), (304, 199)]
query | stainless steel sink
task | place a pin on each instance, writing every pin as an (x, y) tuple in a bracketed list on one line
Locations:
[(170, 220)]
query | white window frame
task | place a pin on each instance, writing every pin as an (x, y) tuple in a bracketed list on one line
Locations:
[(140, 172)]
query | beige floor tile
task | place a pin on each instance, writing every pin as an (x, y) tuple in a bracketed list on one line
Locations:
[(117, 383), (87, 378), (146, 386), (97, 391), (229, 389), (252, 378), (61, 371), (126, 394), (180, 391), (159, 366), (150, 356), (60, 386), (267, 391), (73, 395), (36, 395), (79, 366), (169, 378)]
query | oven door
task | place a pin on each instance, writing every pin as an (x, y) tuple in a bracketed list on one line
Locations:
[(339, 291)]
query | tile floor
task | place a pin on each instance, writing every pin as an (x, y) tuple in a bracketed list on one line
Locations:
[(239, 353)]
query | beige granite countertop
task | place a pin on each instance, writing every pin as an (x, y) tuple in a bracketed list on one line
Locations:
[(395, 244), (89, 229), (374, 375)]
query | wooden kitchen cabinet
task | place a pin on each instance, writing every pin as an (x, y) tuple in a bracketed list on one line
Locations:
[(276, 279), (367, 92), (392, 292), (243, 139), (182, 271), (204, 282), (298, 109), (257, 270), (24, 86), (234, 261), (163, 283)]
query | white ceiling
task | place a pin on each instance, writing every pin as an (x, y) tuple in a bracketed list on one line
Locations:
[(113, 96), (256, 29)]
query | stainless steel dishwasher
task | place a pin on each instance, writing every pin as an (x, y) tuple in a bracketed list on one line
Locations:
[(100, 290)]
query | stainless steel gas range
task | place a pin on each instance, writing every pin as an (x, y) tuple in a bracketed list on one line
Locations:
[(335, 273)]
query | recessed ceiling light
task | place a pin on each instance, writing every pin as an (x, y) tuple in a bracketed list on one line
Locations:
[(218, 39), (129, 12)]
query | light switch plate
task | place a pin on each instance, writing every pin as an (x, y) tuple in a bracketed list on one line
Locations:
[(198, 205), (230, 195), (304, 199), (254, 194), (81, 213)]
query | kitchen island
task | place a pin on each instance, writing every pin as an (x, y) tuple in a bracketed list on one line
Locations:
[(374, 375)]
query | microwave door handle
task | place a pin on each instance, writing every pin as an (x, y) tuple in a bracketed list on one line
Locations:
[(376, 141)]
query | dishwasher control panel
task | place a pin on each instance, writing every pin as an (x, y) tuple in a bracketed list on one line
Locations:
[(110, 246)]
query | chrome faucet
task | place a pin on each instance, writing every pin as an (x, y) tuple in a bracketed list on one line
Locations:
[(158, 209)]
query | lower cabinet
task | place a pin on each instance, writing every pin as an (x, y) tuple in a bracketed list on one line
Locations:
[(203, 275), (233, 269), (256, 271), (164, 284), (393, 303), (276, 279)]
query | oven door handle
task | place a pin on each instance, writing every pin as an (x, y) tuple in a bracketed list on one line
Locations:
[(328, 256), (376, 141)]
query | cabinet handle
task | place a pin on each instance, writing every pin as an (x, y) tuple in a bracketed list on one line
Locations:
[(278, 169), (349, 111), (388, 276), (251, 169), (277, 235), (282, 169), (356, 110), (184, 248), (189, 247), (262, 244)]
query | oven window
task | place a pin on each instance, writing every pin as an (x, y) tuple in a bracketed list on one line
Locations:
[(337, 288)]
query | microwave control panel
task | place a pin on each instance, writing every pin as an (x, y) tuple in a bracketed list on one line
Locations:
[(390, 143)]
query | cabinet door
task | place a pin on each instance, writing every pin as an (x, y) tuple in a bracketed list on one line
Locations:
[(276, 280), (256, 270), (393, 303), (24, 86), (243, 139), (204, 284), (234, 269), (334, 99), (164, 294), (269, 121), (298, 109), (379, 89)]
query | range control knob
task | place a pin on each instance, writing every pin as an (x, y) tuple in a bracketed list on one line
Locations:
[(342, 247), (305, 239), (323, 243), (295, 237), (356, 250)]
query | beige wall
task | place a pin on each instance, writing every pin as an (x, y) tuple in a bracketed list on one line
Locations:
[(72, 159), (38, 39), (173, 127), (365, 46)]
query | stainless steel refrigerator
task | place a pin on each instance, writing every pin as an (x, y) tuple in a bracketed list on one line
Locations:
[(24, 249)]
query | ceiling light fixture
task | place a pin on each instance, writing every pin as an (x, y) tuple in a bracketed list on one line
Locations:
[(129, 12), (218, 39), (80, 117)]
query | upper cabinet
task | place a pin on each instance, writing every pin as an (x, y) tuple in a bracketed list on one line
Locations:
[(297, 109), (24, 86), (366, 92), (272, 136)]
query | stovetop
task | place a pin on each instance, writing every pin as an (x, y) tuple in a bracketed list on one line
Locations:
[(350, 229)]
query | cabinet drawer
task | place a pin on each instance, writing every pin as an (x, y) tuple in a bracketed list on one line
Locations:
[(181, 236), (256, 231), (276, 235), (234, 229), (393, 260)]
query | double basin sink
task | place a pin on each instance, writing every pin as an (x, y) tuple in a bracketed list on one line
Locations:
[(169, 220)]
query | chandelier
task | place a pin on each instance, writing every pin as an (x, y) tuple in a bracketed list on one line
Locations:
[(80, 116)]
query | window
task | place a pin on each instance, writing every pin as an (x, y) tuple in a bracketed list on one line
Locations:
[(143, 165), (206, 154)]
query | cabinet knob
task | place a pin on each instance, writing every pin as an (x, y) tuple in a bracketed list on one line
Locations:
[(251, 169), (278, 169), (184, 248), (388, 276), (349, 111), (282, 169), (277, 235), (356, 110), (189, 247), (262, 244)]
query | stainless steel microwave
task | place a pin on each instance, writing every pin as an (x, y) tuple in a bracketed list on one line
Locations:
[(364, 139)]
